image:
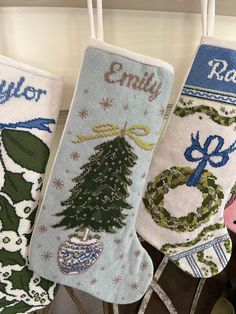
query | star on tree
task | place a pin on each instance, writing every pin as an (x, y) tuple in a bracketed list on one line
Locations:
[(58, 184), (46, 256), (83, 113), (106, 103)]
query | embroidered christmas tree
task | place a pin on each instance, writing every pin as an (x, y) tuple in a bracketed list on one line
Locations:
[(97, 203), (98, 199)]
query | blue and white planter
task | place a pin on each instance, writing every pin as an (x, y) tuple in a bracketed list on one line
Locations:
[(76, 256)]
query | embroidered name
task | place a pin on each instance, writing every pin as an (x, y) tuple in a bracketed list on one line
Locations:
[(16, 89), (146, 83), (221, 72)]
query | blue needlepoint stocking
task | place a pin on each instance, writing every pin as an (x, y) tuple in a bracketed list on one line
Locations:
[(95, 187)]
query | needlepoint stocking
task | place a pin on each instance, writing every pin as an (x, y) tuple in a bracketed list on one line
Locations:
[(95, 186), (193, 170), (29, 105)]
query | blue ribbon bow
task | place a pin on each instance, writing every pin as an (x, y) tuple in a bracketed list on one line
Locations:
[(38, 123), (207, 157)]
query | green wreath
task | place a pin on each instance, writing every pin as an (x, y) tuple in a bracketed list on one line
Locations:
[(212, 195)]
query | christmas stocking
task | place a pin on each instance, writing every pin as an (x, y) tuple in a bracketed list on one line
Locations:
[(193, 170), (29, 101), (230, 210), (89, 208)]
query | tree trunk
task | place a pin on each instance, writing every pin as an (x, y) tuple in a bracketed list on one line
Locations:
[(86, 234)]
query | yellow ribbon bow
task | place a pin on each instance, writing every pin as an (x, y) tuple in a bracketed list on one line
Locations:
[(105, 130)]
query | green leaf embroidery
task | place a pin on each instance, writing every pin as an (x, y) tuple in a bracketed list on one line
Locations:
[(20, 307), (21, 279), (11, 258), (2, 288), (4, 302), (17, 187), (45, 284), (8, 217), (26, 149)]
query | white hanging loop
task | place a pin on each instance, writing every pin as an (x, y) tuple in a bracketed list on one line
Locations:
[(99, 20), (208, 17), (91, 19), (204, 16), (211, 18)]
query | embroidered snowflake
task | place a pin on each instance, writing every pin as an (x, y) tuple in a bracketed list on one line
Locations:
[(116, 280), (144, 265), (58, 184), (134, 286), (120, 257), (136, 253), (74, 155), (86, 91), (162, 111), (93, 281), (43, 228), (83, 113), (145, 113), (106, 103), (126, 107), (46, 256), (143, 175), (117, 241)]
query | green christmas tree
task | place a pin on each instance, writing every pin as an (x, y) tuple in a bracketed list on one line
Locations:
[(98, 200)]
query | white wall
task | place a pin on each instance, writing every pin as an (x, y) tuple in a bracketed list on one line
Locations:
[(54, 38)]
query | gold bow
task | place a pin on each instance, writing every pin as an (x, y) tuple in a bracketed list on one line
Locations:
[(105, 130)]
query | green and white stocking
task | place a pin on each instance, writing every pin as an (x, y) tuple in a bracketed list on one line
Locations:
[(29, 105), (95, 187), (193, 170)]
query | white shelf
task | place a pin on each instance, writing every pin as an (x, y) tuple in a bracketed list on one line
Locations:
[(223, 7)]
